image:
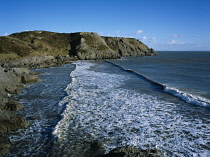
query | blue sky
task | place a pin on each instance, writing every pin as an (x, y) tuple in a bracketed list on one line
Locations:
[(161, 24)]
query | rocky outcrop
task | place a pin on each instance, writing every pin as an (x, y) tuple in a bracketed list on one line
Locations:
[(91, 46), (5, 145), (9, 121), (129, 151), (128, 47), (37, 62), (83, 45), (11, 81)]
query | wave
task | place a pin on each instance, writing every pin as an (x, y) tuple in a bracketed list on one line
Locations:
[(187, 97), (136, 73), (101, 114)]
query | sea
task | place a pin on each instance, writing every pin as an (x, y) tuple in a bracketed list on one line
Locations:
[(87, 108)]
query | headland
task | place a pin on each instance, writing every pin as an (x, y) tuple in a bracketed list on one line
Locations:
[(20, 52)]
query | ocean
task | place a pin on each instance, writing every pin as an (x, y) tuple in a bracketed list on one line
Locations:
[(88, 108)]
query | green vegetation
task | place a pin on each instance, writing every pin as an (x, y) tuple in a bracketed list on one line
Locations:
[(13, 48), (10, 56), (31, 43), (48, 43)]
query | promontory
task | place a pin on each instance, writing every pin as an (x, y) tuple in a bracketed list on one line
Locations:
[(83, 45)]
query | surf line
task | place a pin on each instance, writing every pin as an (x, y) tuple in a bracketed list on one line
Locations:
[(140, 75), (186, 97)]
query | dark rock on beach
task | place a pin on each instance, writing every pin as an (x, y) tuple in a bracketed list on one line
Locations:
[(5, 145), (129, 151), (11, 122), (11, 81)]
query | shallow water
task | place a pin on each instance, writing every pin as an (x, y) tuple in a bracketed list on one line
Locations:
[(41, 105)]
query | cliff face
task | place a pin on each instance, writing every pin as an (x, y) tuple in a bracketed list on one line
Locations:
[(91, 46), (128, 47), (84, 45)]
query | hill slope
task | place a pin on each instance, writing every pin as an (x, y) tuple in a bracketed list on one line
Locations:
[(84, 45)]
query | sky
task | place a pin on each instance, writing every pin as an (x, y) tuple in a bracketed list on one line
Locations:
[(164, 25)]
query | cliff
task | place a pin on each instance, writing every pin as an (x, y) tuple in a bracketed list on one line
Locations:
[(83, 45), (128, 47)]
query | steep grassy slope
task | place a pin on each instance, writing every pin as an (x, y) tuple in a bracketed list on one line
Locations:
[(13, 48), (44, 42), (84, 45)]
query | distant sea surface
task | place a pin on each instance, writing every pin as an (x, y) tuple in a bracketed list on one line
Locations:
[(88, 108)]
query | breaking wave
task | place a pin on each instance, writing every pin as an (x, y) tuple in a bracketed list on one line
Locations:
[(187, 97), (101, 115)]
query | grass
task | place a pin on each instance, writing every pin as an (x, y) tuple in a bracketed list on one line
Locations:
[(10, 56), (32, 43)]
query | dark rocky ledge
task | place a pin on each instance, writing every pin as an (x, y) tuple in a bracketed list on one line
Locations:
[(129, 151), (11, 82)]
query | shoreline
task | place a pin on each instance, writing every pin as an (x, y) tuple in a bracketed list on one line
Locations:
[(13, 76), (21, 123), (22, 51)]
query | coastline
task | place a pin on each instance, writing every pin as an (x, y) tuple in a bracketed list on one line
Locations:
[(13, 76), (20, 52), (13, 122)]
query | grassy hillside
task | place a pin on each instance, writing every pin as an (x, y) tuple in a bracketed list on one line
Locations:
[(84, 45), (44, 42), (11, 48)]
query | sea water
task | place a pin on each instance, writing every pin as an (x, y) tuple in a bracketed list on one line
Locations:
[(159, 102)]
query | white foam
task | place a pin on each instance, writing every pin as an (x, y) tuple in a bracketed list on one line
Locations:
[(190, 98), (99, 109)]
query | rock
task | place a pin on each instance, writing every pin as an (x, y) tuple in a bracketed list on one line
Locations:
[(32, 118), (9, 82), (36, 62), (9, 104), (21, 71), (5, 144), (25, 75), (11, 122), (27, 78), (129, 151), (91, 46), (128, 46)]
